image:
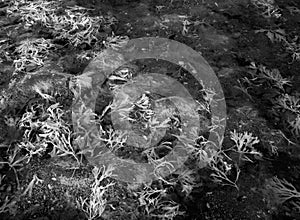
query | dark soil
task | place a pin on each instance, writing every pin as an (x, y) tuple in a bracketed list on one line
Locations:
[(226, 33)]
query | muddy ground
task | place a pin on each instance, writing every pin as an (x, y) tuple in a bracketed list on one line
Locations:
[(231, 36)]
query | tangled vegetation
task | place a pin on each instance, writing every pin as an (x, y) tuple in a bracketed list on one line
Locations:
[(44, 48)]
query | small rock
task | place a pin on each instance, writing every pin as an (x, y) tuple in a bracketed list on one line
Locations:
[(236, 35)]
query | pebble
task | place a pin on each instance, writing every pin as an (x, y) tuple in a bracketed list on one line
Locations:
[(236, 35)]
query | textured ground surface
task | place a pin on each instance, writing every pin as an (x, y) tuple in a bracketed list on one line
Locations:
[(230, 35)]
